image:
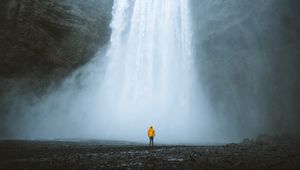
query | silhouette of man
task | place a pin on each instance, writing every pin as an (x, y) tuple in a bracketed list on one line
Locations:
[(151, 134)]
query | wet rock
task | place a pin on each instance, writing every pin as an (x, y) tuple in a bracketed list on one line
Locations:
[(42, 42), (84, 155), (48, 35)]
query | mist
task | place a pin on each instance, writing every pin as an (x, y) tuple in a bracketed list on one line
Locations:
[(145, 77), (248, 58), (198, 71)]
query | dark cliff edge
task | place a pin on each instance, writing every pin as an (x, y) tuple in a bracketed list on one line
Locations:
[(43, 41)]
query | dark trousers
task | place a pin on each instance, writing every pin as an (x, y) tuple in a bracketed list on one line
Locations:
[(151, 141)]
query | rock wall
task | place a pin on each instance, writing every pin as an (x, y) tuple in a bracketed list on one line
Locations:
[(49, 39), (43, 41), (248, 53)]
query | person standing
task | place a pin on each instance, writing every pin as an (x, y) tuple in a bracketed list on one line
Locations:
[(151, 135)]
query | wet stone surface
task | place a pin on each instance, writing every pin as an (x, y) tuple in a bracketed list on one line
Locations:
[(263, 153)]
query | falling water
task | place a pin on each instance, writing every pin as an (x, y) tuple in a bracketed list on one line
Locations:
[(150, 74), (146, 77)]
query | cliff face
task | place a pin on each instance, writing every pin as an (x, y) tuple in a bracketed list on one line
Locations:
[(43, 41), (50, 37), (248, 57)]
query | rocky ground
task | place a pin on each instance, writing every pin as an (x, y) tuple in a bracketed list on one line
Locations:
[(263, 153)]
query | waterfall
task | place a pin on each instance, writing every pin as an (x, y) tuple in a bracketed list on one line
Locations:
[(145, 77), (149, 73)]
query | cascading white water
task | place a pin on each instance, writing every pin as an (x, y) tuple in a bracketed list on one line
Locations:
[(147, 77), (150, 73)]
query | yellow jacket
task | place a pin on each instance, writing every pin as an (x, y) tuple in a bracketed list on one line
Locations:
[(151, 132)]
